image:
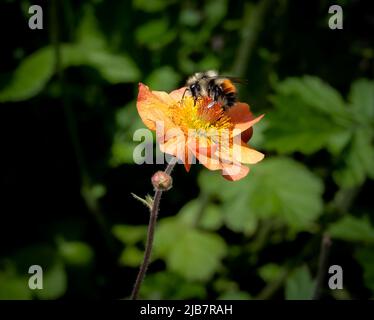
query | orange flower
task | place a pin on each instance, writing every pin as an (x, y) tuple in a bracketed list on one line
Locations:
[(217, 138)]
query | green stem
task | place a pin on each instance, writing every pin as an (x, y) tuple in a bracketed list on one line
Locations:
[(253, 19), (91, 201)]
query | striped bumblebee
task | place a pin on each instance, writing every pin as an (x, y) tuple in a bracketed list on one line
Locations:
[(220, 89)]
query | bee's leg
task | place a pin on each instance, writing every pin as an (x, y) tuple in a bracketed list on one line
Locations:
[(187, 89), (194, 100)]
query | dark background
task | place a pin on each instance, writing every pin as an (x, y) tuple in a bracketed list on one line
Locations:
[(65, 184)]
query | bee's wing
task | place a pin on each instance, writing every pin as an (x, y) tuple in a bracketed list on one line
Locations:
[(232, 79), (237, 80)]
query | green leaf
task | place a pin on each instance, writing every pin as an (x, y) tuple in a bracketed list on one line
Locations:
[(215, 11), (12, 285), (212, 184), (30, 77), (190, 17), (357, 161), (315, 94), (278, 188), (35, 71), (129, 234), (168, 285), (131, 256), (270, 272), (196, 255), (54, 281), (353, 229), (235, 295), (115, 68), (317, 113), (91, 49), (196, 212), (287, 189), (361, 97), (88, 33), (365, 257), (76, 253), (152, 6), (54, 275), (192, 253), (299, 285), (122, 152), (164, 78), (237, 215), (155, 34)]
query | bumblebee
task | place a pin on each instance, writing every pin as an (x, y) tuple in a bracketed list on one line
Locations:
[(210, 84)]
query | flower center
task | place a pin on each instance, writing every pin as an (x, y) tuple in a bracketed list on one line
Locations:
[(190, 116)]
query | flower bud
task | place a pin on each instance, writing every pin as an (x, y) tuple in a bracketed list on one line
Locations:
[(162, 181)]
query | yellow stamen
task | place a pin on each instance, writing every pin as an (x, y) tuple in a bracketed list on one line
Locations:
[(199, 117)]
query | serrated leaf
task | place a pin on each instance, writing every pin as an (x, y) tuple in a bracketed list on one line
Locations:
[(361, 97), (189, 252), (277, 187), (299, 285), (357, 161), (237, 215), (309, 116), (352, 229), (196, 255), (314, 93)]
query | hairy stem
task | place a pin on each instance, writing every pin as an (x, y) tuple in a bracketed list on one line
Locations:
[(150, 235)]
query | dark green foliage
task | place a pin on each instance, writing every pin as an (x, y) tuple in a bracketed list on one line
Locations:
[(69, 171)]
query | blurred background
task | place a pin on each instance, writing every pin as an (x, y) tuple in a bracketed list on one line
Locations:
[(68, 114)]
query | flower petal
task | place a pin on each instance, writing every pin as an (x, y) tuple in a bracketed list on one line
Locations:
[(247, 134), (178, 94), (242, 117), (153, 107), (234, 171), (174, 146), (244, 154), (205, 155)]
